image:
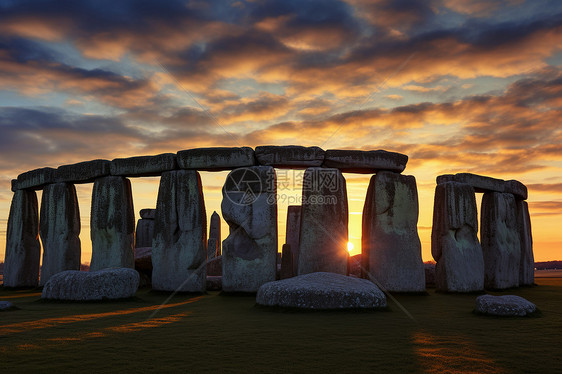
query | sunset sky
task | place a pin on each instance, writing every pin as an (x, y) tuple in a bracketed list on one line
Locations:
[(457, 85)]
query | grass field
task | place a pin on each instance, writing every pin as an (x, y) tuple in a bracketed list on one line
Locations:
[(217, 333)]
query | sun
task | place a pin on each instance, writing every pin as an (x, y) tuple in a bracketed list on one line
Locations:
[(350, 246)]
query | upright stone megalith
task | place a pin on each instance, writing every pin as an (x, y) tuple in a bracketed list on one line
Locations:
[(292, 234), (145, 228), (112, 224), (527, 265), (390, 238), (249, 206), (23, 251), (59, 227), (214, 243), (501, 243), (324, 218), (454, 242), (180, 234)]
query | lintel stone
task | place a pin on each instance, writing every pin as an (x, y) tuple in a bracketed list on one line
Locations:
[(82, 172), (143, 166), (35, 179), (364, 162), (289, 156), (216, 158)]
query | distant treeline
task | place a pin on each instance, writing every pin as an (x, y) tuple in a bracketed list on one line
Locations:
[(547, 265)]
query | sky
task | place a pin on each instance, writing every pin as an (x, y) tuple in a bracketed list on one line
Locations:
[(458, 86)]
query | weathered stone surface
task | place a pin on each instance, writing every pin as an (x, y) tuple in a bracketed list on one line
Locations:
[(249, 207), (501, 243), (144, 233), (143, 258), (516, 188), (214, 283), (35, 179), (180, 234), (14, 185), (143, 166), (215, 236), (390, 238), (286, 262), (216, 159), (527, 264), (429, 275), (6, 305), (505, 305), (454, 242), (148, 213), (112, 224), (114, 283), (289, 156), (292, 233), (354, 266), (322, 291), (214, 266), (23, 250), (364, 162), (324, 217), (59, 228), (83, 172)]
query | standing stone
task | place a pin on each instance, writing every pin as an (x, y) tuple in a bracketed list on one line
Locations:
[(324, 218), (23, 251), (287, 262), (112, 224), (501, 243), (59, 227), (292, 234), (180, 234), (390, 238), (249, 206), (527, 266), (144, 233), (214, 234), (213, 248), (454, 243)]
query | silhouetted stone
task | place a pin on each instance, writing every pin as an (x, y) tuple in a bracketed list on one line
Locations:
[(292, 233), (322, 291), (6, 305), (516, 188), (23, 250), (214, 266), (390, 235), (286, 262), (504, 306), (429, 275), (364, 162), (148, 213), (289, 156), (83, 172), (144, 233), (324, 217), (14, 185), (143, 166), (35, 179), (214, 283), (249, 207), (143, 259), (216, 159), (115, 283), (112, 224), (59, 227), (527, 265), (454, 243), (501, 242), (215, 235), (180, 234)]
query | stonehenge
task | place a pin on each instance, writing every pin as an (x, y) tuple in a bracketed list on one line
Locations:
[(173, 237)]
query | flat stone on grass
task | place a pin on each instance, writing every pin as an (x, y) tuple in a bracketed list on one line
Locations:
[(73, 285), (504, 306), (6, 305), (322, 291)]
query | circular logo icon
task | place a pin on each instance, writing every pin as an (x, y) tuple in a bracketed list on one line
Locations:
[(242, 186)]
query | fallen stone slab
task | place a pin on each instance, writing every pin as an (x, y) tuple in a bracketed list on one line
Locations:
[(216, 158), (322, 291), (364, 162), (6, 305), (504, 306), (148, 213), (289, 156), (35, 179), (143, 166), (73, 285), (82, 172)]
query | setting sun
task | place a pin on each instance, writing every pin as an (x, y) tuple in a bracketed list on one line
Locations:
[(349, 246)]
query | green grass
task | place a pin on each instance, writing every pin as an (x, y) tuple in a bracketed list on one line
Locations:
[(219, 334)]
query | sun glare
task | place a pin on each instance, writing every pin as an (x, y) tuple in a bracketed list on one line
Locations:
[(349, 246)]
